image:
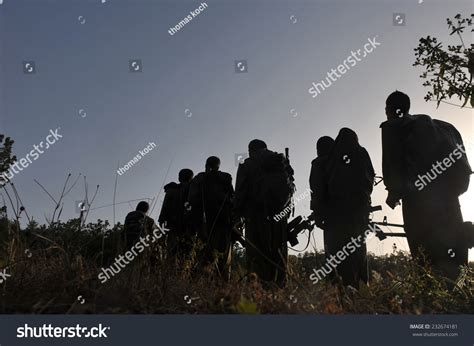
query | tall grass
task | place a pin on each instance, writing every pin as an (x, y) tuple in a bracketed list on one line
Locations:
[(54, 269)]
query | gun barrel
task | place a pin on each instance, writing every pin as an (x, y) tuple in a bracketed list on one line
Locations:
[(375, 208), (395, 234), (389, 224)]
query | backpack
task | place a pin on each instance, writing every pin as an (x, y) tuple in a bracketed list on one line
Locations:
[(172, 208), (428, 141), (350, 176), (134, 226), (274, 182), (217, 193), (467, 235)]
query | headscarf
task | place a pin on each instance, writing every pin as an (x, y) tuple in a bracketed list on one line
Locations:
[(324, 145), (349, 166)]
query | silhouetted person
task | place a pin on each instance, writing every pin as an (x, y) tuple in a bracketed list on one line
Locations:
[(210, 197), (318, 183), (263, 189), (425, 166), (180, 236), (318, 179), (138, 223), (350, 177)]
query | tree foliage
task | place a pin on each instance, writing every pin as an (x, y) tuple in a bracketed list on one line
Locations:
[(6, 158), (448, 72)]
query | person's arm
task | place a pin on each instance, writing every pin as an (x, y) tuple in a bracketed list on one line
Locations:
[(231, 190), (194, 199), (150, 225), (392, 161), (241, 191), (318, 187), (370, 171), (313, 185), (165, 209)]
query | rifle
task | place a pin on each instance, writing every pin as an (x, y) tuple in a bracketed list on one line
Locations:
[(466, 235), (299, 224), (378, 231), (293, 228)]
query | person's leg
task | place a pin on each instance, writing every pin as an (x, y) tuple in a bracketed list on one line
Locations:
[(225, 255), (281, 253), (252, 249), (416, 228), (448, 252), (362, 270), (433, 222)]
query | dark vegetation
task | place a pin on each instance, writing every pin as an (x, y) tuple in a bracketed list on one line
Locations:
[(52, 266)]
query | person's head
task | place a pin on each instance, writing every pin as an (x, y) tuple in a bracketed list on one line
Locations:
[(185, 175), (213, 163), (347, 136), (143, 207), (256, 145), (324, 145), (397, 105)]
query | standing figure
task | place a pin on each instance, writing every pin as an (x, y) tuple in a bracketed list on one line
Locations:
[(318, 183), (210, 200), (179, 239), (264, 188), (350, 182), (426, 167)]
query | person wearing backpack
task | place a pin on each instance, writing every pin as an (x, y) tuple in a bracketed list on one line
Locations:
[(264, 187), (179, 239), (426, 167), (349, 178), (210, 202), (137, 224)]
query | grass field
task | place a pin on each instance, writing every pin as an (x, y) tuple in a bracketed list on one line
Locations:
[(53, 269)]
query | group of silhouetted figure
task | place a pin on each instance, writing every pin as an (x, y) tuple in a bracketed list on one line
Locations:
[(206, 208)]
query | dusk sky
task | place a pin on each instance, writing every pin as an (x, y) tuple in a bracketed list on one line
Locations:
[(189, 99)]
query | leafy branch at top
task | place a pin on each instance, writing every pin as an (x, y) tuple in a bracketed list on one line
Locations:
[(448, 72)]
